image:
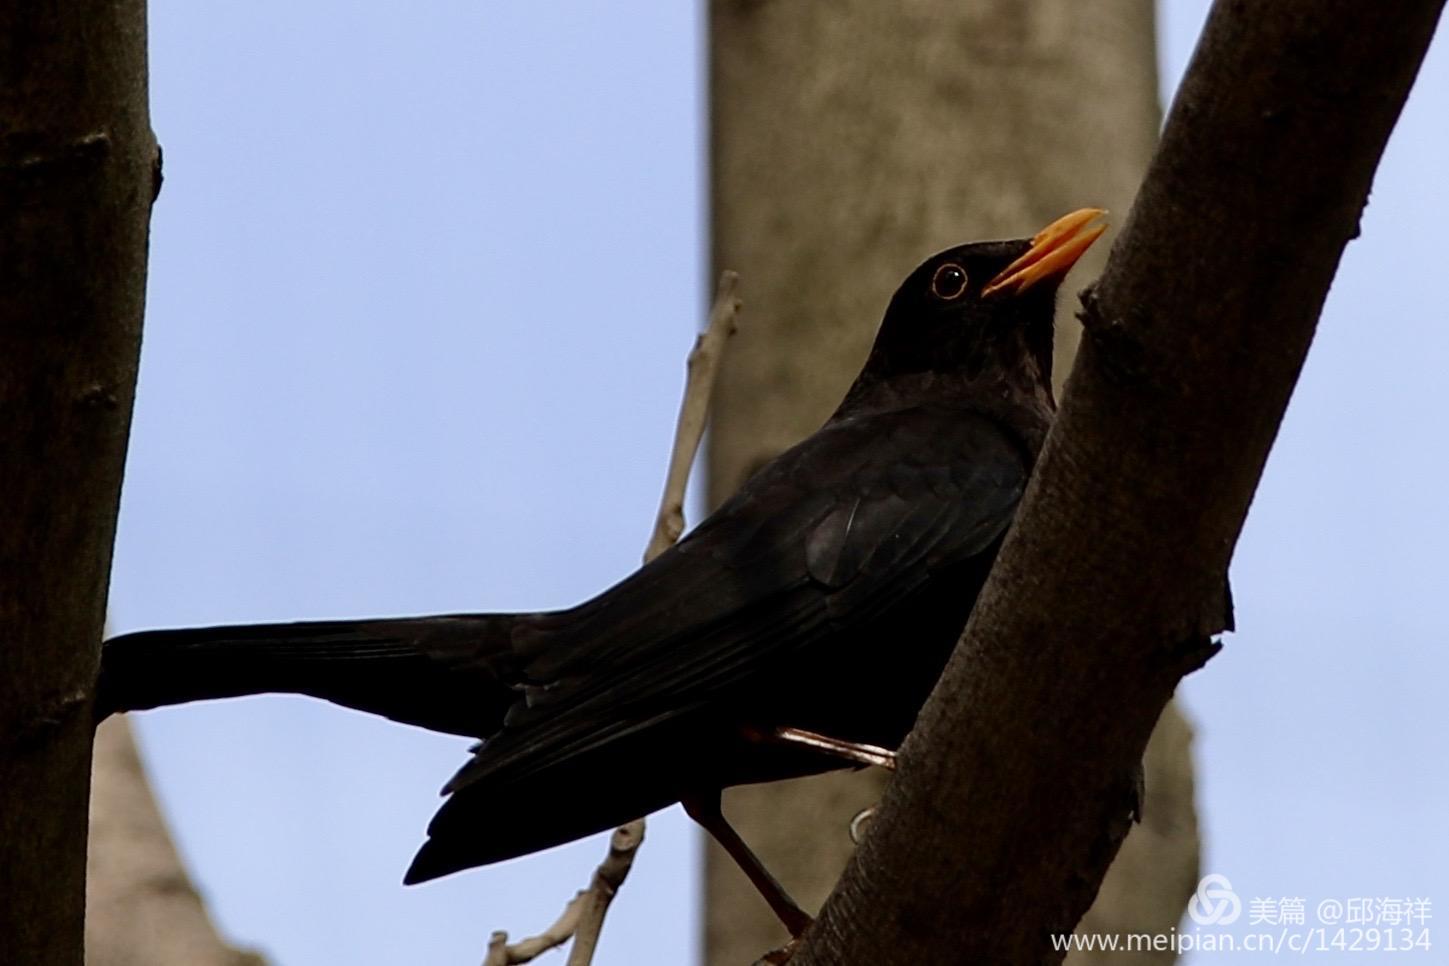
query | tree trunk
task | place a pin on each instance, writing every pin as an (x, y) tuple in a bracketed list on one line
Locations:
[(78, 172), (850, 140), (1020, 779)]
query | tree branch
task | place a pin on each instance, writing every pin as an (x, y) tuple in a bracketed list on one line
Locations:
[(1016, 787)]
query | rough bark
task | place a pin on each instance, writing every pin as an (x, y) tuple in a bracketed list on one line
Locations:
[(141, 908), (78, 169), (1016, 787), (850, 140), (1157, 869)]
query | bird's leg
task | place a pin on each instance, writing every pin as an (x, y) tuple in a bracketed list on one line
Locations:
[(706, 811), (849, 750)]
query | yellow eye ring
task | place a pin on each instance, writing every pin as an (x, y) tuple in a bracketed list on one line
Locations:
[(949, 282)]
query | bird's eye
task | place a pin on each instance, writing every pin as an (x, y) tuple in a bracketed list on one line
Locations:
[(949, 282)]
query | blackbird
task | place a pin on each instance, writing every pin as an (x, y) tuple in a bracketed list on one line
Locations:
[(798, 629)]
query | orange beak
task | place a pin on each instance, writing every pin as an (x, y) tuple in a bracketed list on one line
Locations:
[(1053, 252)]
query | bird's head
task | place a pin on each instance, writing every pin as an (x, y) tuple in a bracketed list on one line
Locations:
[(977, 315)]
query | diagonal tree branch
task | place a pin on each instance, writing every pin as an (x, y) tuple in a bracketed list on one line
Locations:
[(1016, 788)]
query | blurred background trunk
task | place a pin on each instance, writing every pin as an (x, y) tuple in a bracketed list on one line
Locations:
[(850, 141), (141, 906)]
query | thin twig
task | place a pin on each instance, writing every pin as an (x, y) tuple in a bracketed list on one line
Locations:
[(608, 877), (693, 412), (583, 918), (501, 953)]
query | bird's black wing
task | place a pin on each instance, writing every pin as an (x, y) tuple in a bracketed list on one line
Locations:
[(830, 533)]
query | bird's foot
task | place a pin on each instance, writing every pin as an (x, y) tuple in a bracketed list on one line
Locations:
[(861, 822), (777, 957), (837, 747), (706, 811)]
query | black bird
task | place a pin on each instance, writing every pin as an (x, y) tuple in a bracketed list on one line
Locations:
[(796, 630)]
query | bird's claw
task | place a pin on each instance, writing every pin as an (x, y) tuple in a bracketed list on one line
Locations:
[(777, 957), (862, 819), (853, 751)]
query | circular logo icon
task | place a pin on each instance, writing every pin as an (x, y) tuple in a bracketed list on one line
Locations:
[(1215, 903)]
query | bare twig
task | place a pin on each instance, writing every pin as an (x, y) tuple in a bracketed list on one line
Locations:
[(583, 918), (608, 877), (501, 953), (693, 411)]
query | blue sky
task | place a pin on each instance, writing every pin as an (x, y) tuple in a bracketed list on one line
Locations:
[(423, 279)]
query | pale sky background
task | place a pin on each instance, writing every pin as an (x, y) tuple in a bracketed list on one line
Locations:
[(423, 278)]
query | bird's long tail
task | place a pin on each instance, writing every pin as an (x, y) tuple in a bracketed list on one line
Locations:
[(441, 673)]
